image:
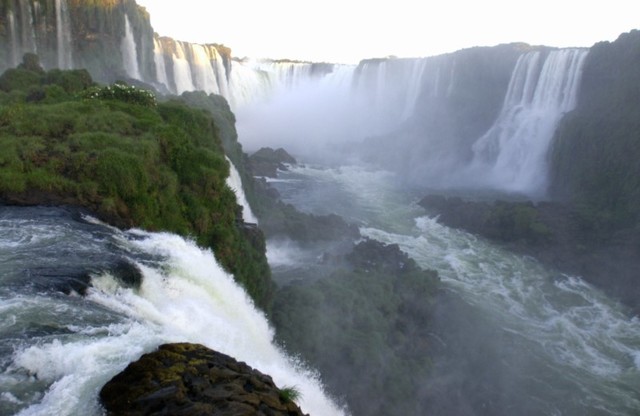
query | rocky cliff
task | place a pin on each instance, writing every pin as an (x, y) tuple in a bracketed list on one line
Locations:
[(112, 39)]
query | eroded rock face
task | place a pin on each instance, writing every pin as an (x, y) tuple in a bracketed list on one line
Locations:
[(190, 379)]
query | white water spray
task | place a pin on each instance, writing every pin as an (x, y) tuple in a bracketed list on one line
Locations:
[(184, 296), (235, 183), (194, 300), (204, 76), (161, 69), (129, 51), (63, 35), (512, 155), (14, 39), (182, 70)]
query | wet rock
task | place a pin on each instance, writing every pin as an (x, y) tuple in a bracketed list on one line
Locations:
[(267, 162), (190, 379), (371, 255)]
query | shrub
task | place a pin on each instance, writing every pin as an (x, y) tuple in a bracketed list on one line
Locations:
[(121, 92)]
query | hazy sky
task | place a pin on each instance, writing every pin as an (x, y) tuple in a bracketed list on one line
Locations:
[(346, 31)]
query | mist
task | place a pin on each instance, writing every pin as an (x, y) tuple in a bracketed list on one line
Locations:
[(504, 334), (481, 118)]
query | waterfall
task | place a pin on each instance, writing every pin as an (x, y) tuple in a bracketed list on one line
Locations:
[(28, 31), (246, 84), (161, 69), (15, 52), (59, 350), (512, 154), (63, 35), (182, 70), (220, 71), (235, 183), (205, 78), (388, 90), (129, 51), (414, 87)]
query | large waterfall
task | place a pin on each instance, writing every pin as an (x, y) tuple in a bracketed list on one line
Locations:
[(57, 348), (436, 118), (129, 51), (512, 155), (28, 30)]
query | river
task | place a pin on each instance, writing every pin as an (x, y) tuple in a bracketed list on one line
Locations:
[(541, 342)]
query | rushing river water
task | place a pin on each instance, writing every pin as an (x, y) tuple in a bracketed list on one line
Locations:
[(557, 345), (79, 300)]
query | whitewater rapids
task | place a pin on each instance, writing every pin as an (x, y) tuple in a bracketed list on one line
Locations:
[(58, 348)]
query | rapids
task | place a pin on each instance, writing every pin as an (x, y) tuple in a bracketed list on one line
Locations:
[(560, 346), (79, 300)]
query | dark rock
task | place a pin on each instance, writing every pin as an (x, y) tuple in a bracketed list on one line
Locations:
[(190, 379), (371, 255), (267, 162)]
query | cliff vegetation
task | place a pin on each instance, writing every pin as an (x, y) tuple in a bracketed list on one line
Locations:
[(131, 160)]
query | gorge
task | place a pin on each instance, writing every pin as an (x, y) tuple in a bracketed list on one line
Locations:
[(371, 303)]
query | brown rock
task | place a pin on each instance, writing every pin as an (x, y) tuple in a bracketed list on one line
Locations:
[(190, 379)]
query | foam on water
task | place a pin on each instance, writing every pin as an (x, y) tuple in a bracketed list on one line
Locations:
[(58, 350), (193, 299), (576, 338)]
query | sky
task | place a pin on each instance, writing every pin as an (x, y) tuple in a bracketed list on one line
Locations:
[(346, 31)]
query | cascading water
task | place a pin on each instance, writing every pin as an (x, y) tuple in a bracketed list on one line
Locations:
[(205, 78), (389, 89), (512, 155), (219, 70), (28, 31), (161, 69), (57, 348), (129, 51), (63, 35), (15, 52), (182, 70), (235, 183), (414, 87)]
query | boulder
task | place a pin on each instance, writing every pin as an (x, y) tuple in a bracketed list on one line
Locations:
[(190, 379), (266, 162)]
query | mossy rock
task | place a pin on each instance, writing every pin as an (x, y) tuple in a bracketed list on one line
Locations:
[(191, 379)]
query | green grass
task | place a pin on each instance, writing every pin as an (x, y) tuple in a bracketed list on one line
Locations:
[(290, 394)]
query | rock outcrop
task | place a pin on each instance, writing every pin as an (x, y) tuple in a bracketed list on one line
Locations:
[(190, 379), (267, 162)]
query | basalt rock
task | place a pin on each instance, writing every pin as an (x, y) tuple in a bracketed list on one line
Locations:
[(190, 379), (267, 162)]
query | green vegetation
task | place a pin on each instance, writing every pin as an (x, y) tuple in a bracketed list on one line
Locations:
[(596, 153), (290, 394), (365, 328), (513, 221), (131, 161)]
